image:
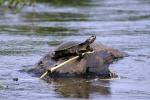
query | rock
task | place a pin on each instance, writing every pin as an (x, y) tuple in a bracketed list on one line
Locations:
[(15, 79), (91, 65)]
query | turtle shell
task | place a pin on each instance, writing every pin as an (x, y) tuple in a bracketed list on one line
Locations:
[(67, 45)]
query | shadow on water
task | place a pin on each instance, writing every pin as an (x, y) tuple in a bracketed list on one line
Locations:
[(79, 87)]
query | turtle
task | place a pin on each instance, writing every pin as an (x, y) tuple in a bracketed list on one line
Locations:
[(74, 48)]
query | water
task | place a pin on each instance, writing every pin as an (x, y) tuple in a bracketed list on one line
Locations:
[(28, 35)]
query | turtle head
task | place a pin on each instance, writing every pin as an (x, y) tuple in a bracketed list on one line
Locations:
[(90, 39)]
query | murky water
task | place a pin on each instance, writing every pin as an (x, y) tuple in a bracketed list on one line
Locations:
[(28, 35)]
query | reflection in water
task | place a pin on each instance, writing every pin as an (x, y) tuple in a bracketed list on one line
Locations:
[(54, 43), (79, 87), (53, 16), (37, 30), (66, 2)]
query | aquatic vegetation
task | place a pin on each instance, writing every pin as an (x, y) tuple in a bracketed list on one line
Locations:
[(16, 3), (22, 3)]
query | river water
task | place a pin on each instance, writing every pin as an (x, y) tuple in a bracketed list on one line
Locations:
[(29, 34)]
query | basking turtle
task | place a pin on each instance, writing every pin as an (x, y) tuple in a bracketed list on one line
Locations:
[(74, 48), (94, 64)]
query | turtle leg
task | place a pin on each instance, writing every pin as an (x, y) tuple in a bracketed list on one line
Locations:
[(89, 48), (112, 74), (79, 54)]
